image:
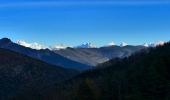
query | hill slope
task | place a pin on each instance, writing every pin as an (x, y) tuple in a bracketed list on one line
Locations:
[(44, 55), (19, 72), (95, 56), (142, 76)]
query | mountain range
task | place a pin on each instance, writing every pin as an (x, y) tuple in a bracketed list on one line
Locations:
[(83, 57), (91, 55), (38, 46), (96, 56), (141, 76), (107, 73), (42, 54)]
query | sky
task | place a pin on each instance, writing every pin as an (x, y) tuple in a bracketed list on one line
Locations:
[(73, 22)]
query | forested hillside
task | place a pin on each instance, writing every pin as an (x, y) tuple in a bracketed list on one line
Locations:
[(142, 76), (19, 73)]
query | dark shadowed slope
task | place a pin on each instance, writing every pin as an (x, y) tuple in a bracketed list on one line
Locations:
[(19, 73), (44, 55), (142, 76)]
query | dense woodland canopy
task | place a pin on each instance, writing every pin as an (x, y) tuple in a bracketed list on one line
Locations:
[(142, 76), (19, 72)]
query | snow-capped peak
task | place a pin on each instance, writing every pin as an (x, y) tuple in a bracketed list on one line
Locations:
[(159, 43), (31, 45), (146, 45), (111, 44), (123, 44), (58, 47), (87, 45)]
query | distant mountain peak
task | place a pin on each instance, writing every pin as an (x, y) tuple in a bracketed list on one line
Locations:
[(31, 45), (58, 47), (158, 43), (87, 45), (146, 45), (111, 44), (123, 44)]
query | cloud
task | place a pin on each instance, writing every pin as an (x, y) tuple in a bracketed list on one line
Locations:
[(77, 3)]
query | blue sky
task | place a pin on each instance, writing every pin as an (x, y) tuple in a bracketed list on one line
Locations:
[(73, 22)]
